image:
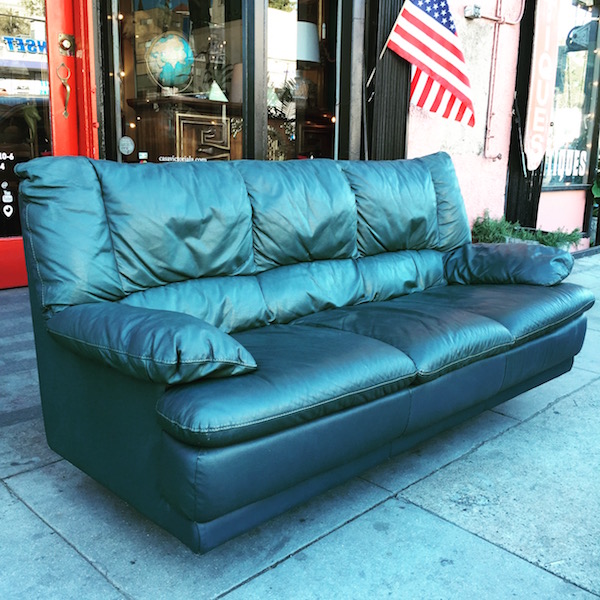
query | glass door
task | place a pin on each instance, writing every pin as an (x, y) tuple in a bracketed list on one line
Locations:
[(301, 79), (176, 77), (24, 119)]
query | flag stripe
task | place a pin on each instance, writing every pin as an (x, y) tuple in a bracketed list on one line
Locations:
[(424, 35), (412, 50), (420, 34), (431, 34), (425, 92), (438, 99), (461, 112), (414, 82)]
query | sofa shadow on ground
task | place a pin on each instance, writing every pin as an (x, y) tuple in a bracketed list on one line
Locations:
[(219, 342)]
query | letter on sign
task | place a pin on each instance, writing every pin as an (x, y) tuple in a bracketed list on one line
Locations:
[(541, 86)]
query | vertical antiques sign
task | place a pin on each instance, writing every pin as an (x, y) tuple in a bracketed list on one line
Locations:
[(542, 82)]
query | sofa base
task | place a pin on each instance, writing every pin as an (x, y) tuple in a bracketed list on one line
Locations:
[(201, 537)]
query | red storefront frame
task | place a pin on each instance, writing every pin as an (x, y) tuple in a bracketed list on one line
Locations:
[(74, 124)]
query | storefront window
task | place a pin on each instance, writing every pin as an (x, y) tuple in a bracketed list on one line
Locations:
[(176, 76), (179, 78), (301, 74), (567, 161), (24, 114)]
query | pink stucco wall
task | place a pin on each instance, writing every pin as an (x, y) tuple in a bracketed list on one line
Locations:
[(480, 153)]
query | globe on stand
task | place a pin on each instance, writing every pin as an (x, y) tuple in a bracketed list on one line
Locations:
[(170, 62)]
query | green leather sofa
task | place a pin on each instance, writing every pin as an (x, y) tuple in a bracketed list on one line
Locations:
[(218, 342)]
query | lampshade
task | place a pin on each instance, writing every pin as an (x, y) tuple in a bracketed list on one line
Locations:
[(308, 42)]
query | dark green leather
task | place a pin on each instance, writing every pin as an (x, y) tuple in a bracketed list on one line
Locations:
[(171, 223), (228, 303), (507, 263), (302, 289), (387, 221), (437, 339), (305, 373), (65, 228), (526, 311), (393, 274), (301, 211), (159, 345), (345, 297), (452, 222)]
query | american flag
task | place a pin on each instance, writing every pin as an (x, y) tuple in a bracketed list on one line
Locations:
[(424, 34)]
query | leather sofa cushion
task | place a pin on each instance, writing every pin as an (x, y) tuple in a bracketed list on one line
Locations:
[(285, 293), (229, 303), (301, 211), (452, 221), (393, 274), (527, 311), (171, 222), (303, 289), (507, 263), (304, 373), (156, 345), (67, 232), (387, 220), (437, 339)]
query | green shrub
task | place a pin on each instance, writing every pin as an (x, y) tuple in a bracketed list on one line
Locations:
[(493, 231)]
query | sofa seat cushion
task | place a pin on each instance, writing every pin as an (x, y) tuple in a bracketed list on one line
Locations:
[(527, 311), (438, 338), (303, 373)]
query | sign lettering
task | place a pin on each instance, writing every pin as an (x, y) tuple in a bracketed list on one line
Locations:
[(25, 45)]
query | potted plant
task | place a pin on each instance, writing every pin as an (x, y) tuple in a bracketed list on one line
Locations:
[(487, 229)]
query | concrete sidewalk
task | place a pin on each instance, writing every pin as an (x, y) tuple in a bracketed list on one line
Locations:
[(505, 506)]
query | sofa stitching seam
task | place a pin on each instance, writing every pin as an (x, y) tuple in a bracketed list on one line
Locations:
[(34, 255), (285, 414), (151, 358), (471, 356), (110, 229), (568, 317)]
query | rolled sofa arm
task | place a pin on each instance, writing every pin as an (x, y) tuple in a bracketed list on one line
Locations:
[(507, 263), (159, 345)]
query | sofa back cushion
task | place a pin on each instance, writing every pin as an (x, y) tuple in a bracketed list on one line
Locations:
[(297, 290), (66, 232), (301, 211), (239, 244), (229, 303), (172, 222), (452, 221), (411, 204), (394, 274), (389, 217)]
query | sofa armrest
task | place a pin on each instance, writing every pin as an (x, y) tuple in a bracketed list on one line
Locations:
[(507, 263), (159, 345)]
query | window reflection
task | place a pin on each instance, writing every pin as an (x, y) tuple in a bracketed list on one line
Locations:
[(301, 75), (24, 111), (181, 80), (575, 97)]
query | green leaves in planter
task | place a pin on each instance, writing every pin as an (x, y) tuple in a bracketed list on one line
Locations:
[(493, 231)]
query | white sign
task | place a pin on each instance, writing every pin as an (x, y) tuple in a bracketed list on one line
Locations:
[(542, 81)]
